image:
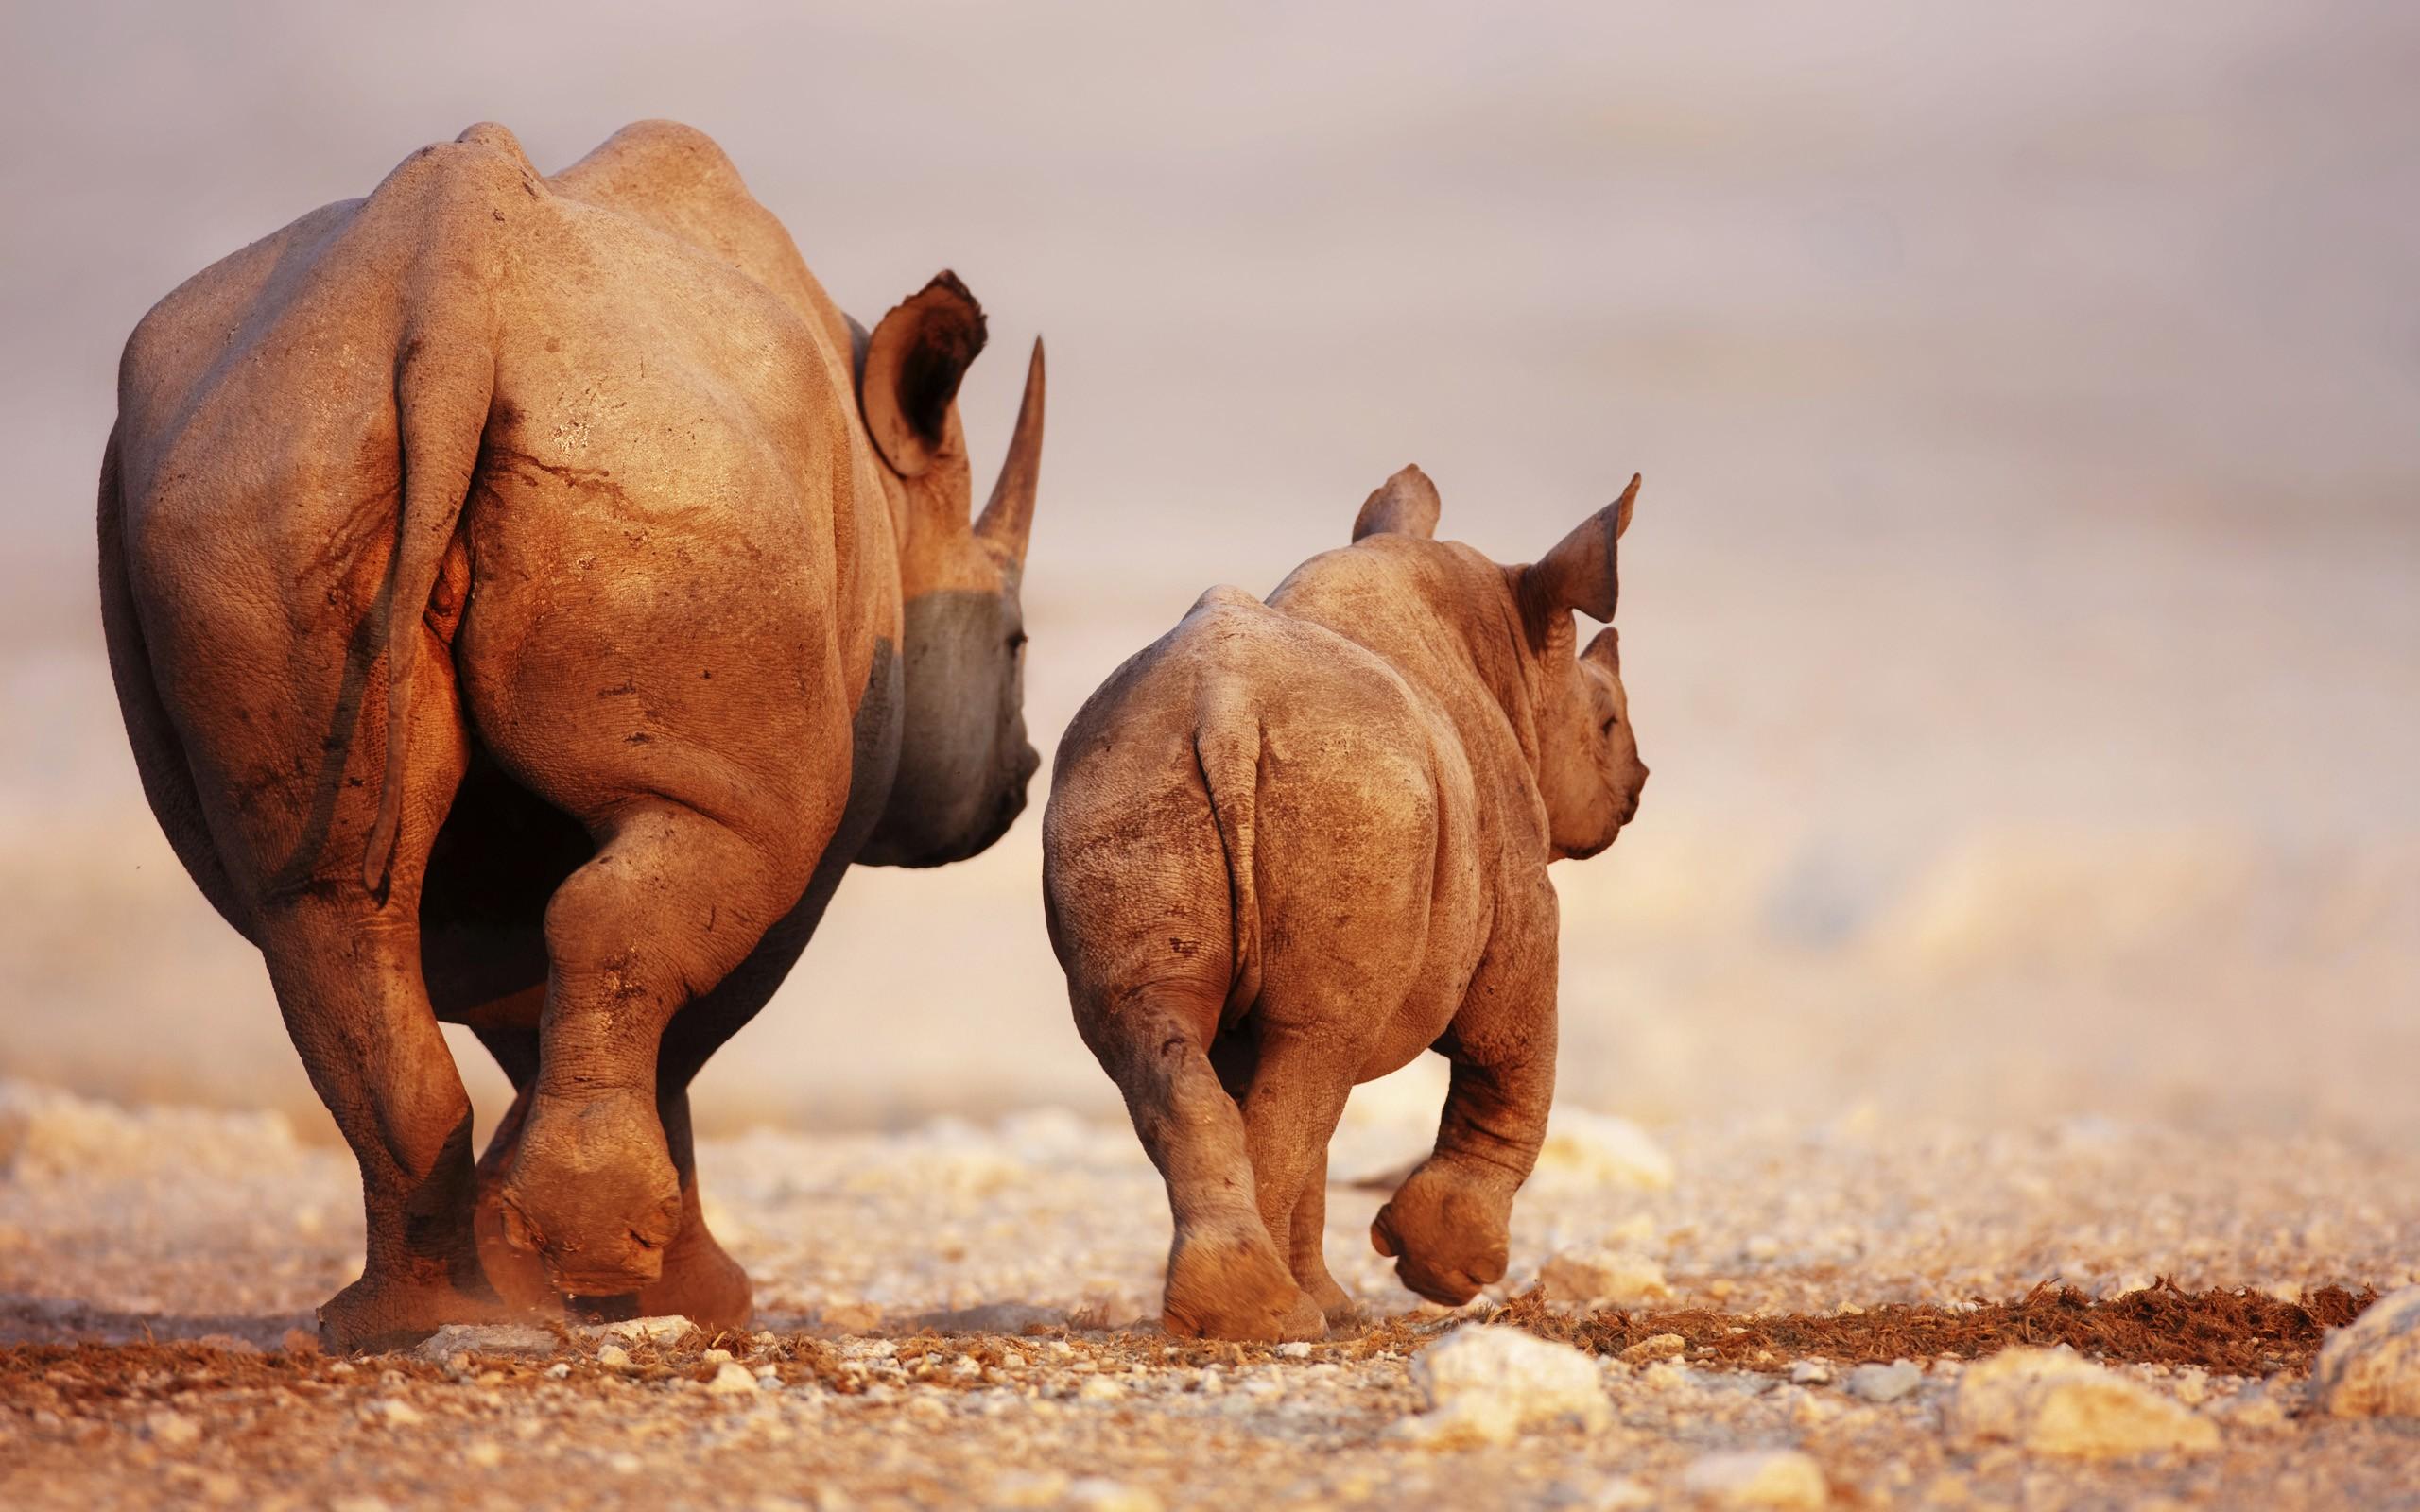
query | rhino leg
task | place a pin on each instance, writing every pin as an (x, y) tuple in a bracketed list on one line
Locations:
[(1306, 1248), (1226, 1278), (657, 916), (348, 982), (518, 1275), (1449, 1227), (1299, 1085), (700, 1281)]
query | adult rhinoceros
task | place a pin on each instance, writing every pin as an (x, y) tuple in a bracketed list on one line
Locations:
[(527, 595)]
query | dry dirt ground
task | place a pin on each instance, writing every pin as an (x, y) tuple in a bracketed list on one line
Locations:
[(959, 1315)]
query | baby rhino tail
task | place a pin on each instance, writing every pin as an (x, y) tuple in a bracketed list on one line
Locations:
[(1226, 751)]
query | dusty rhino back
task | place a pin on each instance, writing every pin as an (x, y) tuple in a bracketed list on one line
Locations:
[(1236, 799)]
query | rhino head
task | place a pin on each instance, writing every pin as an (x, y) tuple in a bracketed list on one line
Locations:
[(963, 757), (1589, 773)]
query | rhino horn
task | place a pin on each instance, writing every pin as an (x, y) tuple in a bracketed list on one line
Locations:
[(1007, 521)]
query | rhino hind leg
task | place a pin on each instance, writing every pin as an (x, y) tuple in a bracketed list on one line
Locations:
[(700, 1282), (518, 1275), (658, 917), (1299, 1085), (1226, 1276), (350, 991), (1306, 1251)]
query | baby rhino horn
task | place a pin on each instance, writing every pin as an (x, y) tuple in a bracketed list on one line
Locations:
[(1404, 505)]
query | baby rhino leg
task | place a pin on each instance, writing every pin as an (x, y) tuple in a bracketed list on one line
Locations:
[(1305, 1247), (1227, 1279), (1448, 1227)]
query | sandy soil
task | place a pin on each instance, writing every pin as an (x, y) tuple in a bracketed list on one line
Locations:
[(121, 1232)]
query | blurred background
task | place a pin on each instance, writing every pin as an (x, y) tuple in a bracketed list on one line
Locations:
[(2022, 617)]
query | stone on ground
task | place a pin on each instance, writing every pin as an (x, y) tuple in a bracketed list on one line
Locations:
[(1781, 1480), (662, 1329), (732, 1378), (1883, 1382), (2052, 1402), (487, 1338), (2371, 1367), (1603, 1278), (1487, 1384)]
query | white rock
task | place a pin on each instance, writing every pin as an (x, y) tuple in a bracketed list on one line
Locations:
[(663, 1329), (1295, 1349), (2052, 1402), (1603, 1278), (486, 1338), (397, 1412), (1621, 1494), (732, 1378), (2371, 1367), (1883, 1382), (1811, 1373), (1485, 1385), (1599, 1149), (173, 1428), (1783, 1480), (1094, 1494), (1100, 1388), (2255, 1410), (614, 1357)]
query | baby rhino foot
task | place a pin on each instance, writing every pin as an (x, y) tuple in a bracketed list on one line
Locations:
[(1226, 1282), (1331, 1301), (1447, 1234), (397, 1310)]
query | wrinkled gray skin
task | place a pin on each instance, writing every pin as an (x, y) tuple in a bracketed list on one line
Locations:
[(1291, 845), (527, 595)]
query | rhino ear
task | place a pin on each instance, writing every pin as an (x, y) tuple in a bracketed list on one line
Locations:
[(1580, 572), (1605, 650), (1404, 505), (913, 363)]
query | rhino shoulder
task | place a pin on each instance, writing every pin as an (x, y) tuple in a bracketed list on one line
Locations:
[(679, 181)]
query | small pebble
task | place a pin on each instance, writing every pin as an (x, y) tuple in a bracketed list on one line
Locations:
[(732, 1378)]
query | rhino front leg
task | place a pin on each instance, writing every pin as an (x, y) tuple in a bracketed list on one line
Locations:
[(1449, 1227), (348, 983), (671, 903)]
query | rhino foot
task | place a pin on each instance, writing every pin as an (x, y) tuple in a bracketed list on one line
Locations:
[(398, 1309), (1448, 1234), (1226, 1282)]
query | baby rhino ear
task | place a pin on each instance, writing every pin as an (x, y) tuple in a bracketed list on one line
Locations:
[(1580, 572), (1404, 505)]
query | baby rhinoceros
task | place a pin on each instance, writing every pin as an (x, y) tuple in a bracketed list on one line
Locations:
[(1293, 844)]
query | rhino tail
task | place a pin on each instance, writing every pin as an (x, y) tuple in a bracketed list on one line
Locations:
[(445, 380), (1226, 748)]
